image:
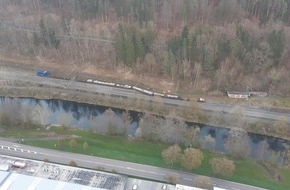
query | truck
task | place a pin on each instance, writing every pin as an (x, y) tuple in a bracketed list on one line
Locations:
[(43, 73)]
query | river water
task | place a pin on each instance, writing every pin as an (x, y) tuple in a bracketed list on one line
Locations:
[(93, 117)]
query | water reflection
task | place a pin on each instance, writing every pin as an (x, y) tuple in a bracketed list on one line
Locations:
[(98, 118)]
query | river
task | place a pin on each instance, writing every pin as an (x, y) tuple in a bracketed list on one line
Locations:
[(96, 118)]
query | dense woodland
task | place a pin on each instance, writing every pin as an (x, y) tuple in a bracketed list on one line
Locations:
[(209, 45)]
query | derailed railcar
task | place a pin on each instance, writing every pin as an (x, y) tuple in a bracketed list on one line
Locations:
[(144, 91)]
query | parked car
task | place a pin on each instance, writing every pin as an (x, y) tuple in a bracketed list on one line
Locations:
[(43, 73), (135, 187)]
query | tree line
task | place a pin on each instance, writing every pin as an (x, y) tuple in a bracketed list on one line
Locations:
[(168, 12), (197, 45)]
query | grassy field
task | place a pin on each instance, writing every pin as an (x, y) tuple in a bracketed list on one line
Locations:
[(139, 151)]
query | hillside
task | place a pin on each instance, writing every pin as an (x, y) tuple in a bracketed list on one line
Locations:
[(186, 46)]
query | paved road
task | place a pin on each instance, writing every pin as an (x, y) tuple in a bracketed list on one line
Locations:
[(139, 170), (250, 113)]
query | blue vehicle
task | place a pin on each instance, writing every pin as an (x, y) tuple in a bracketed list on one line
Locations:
[(43, 73)]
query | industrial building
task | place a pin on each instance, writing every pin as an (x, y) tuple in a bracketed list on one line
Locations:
[(18, 173)]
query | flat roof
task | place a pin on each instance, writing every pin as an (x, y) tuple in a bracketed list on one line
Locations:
[(218, 188), (184, 187), (4, 167), (3, 176), (16, 181)]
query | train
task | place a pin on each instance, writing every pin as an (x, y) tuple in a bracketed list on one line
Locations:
[(144, 91)]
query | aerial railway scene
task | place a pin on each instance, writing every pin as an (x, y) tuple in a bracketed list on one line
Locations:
[(145, 94)]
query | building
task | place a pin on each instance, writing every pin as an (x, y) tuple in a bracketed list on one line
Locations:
[(184, 187), (19, 173), (218, 188), (246, 94), (238, 95), (4, 167)]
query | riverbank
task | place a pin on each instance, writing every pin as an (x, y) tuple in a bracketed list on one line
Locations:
[(191, 113)]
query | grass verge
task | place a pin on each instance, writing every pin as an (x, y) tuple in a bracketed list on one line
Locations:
[(138, 151)]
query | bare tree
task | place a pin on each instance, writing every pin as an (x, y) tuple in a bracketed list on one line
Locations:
[(264, 147), (60, 143), (172, 130), (207, 142), (191, 158), (73, 143), (171, 178), (11, 113), (149, 126), (72, 163), (40, 115), (222, 166), (237, 143), (112, 126), (85, 146), (172, 154), (281, 126), (127, 119), (285, 155), (190, 135), (203, 182)]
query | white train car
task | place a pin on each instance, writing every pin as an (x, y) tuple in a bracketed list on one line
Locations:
[(123, 86), (90, 80), (172, 96), (158, 94), (143, 90)]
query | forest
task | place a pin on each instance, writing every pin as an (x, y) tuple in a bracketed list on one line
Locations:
[(210, 46)]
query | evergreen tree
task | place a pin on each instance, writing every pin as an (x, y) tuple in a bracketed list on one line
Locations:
[(193, 49), (48, 36), (54, 41), (120, 45), (36, 39), (276, 41), (184, 44), (138, 45), (130, 51), (43, 33)]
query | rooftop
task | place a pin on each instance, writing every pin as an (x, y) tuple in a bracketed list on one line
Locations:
[(40, 175)]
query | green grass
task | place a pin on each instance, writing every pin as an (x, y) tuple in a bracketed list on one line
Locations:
[(138, 151), (14, 132)]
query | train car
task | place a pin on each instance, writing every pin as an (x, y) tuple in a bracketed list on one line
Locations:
[(143, 90), (158, 94), (127, 86), (104, 83), (119, 85), (109, 83), (96, 81), (172, 96), (124, 86), (89, 80)]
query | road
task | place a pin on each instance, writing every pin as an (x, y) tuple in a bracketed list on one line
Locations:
[(122, 167), (250, 113)]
